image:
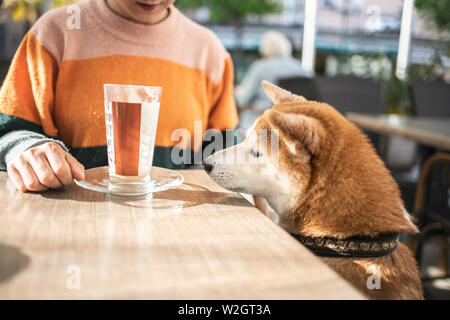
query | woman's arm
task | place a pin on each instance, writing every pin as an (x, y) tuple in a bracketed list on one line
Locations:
[(29, 148)]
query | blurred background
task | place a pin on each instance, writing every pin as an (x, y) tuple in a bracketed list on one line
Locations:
[(385, 60)]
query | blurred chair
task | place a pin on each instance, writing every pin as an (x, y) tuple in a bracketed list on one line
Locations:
[(430, 99), (432, 209), (352, 94), (403, 158), (302, 86)]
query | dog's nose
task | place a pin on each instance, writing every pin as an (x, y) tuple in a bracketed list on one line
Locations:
[(208, 167)]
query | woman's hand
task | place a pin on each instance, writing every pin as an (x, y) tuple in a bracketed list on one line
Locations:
[(44, 166)]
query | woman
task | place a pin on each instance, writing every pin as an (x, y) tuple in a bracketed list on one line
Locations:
[(51, 103)]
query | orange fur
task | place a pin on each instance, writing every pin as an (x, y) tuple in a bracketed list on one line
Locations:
[(344, 189)]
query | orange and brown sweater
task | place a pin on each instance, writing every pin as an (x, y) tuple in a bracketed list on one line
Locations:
[(54, 87)]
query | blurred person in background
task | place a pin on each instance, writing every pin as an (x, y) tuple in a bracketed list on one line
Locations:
[(276, 62)]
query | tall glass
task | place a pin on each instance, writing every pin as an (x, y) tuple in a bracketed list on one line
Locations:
[(131, 115)]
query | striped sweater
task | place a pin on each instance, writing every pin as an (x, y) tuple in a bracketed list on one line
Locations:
[(54, 87)]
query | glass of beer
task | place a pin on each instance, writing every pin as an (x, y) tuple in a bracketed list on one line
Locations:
[(131, 115)]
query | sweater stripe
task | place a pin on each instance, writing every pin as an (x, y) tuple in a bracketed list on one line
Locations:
[(168, 157), (96, 156), (10, 123)]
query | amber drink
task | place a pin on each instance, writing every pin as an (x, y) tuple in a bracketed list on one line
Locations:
[(131, 114)]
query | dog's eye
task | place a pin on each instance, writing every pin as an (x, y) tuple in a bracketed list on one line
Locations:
[(255, 153)]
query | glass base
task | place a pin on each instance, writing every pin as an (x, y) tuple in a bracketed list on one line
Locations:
[(97, 179)]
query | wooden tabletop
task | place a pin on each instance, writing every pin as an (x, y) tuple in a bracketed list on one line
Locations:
[(433, 132), (194, 242)]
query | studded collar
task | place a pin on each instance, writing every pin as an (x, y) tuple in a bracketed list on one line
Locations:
[(353, 247)]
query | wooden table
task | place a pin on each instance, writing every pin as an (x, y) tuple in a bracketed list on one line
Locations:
[(432, 132), (194, 242)]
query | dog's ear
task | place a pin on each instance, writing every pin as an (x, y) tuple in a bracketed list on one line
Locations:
[(296, 129), (278, 95)]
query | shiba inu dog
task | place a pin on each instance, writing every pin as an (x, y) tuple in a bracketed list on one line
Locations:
[(330, 189)]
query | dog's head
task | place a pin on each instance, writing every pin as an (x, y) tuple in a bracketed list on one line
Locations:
[(314, 167), (261, 164)]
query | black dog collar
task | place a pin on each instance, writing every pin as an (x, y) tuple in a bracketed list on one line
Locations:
[(353, 247)]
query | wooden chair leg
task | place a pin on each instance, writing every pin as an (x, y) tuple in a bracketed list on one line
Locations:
[(421, 239), (413, 241), (443, 260)]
